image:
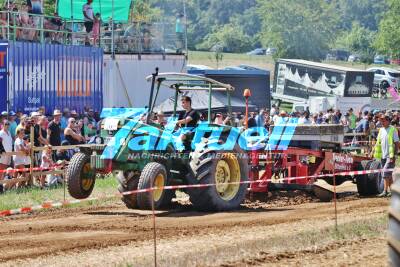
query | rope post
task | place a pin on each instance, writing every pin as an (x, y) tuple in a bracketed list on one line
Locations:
[(31, 137), (154, 227), (335, 200)]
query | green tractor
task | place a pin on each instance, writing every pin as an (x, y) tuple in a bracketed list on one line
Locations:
[(200, 164)]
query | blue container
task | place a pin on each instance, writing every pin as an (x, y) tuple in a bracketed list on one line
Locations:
[(54, 76)]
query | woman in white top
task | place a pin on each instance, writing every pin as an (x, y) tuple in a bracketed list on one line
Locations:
[(21, 144), (22, 160)]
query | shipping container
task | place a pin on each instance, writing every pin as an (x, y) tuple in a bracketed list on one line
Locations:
[(54, 76)]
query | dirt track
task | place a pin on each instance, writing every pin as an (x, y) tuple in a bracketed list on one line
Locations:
[(114, 235)]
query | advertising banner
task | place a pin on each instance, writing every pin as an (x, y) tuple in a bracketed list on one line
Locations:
[(3, 75)]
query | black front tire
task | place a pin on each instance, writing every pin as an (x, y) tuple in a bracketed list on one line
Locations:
[(80, 177), (148, 178)]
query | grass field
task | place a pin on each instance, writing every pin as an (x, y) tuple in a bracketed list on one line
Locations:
[(35, 196)]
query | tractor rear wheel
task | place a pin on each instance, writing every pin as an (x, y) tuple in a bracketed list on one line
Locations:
[(127, 183), (369, 184), (80, 176), (227, 170), (394, 226), (154, 175)]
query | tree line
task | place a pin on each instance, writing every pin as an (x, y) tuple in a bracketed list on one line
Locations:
[(305, 29)]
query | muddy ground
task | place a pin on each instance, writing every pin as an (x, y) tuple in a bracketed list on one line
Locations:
[(277, 232)]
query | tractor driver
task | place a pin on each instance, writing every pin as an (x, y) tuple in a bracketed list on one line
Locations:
[(188, 119), (191, 117)]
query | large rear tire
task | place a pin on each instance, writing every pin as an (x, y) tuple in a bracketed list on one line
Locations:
[(80, 176), (370, 184), (394, 226), (127, 183), (154, 175), (220, 168)]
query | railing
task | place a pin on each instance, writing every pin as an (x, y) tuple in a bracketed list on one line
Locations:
[(132, 38)]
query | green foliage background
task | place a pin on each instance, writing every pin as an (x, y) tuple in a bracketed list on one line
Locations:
[(297, 28)]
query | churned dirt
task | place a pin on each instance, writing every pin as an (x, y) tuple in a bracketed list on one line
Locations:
[(262, 233)]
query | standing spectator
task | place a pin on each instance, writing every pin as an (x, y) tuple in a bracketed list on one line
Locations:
[(88, 16), (5, 146), (37, 10), (180, 32), (22, 123), (336, 117), (385, 150), (26, 22), (219, 119), (64, 121), (345, 122), (304, 118), (91, 116), (70, 135), (13, 123), (363, 124), (96, 28), (43, 122), (54, 129), (352, 120), (260, 118), (74, 114), (21, 145)]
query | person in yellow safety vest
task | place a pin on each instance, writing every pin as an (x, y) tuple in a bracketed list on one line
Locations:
[(385, 150)]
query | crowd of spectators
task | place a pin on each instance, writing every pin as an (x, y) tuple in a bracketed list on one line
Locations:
[(26, 18), (49, 129)]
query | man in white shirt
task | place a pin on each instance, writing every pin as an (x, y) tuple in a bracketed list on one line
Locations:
[(88, 16), (7, 144)]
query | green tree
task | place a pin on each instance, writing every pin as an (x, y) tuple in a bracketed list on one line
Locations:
[(230, 38), (298, 29), (367, 13), (359, 40), (388, 40)]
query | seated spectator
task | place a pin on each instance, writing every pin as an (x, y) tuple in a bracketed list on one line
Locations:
[(65, 155), (89, 129), (55, 24), (46, 163)]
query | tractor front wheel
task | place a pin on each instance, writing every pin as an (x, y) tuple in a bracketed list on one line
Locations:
[(80, 176), (154, 175)]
